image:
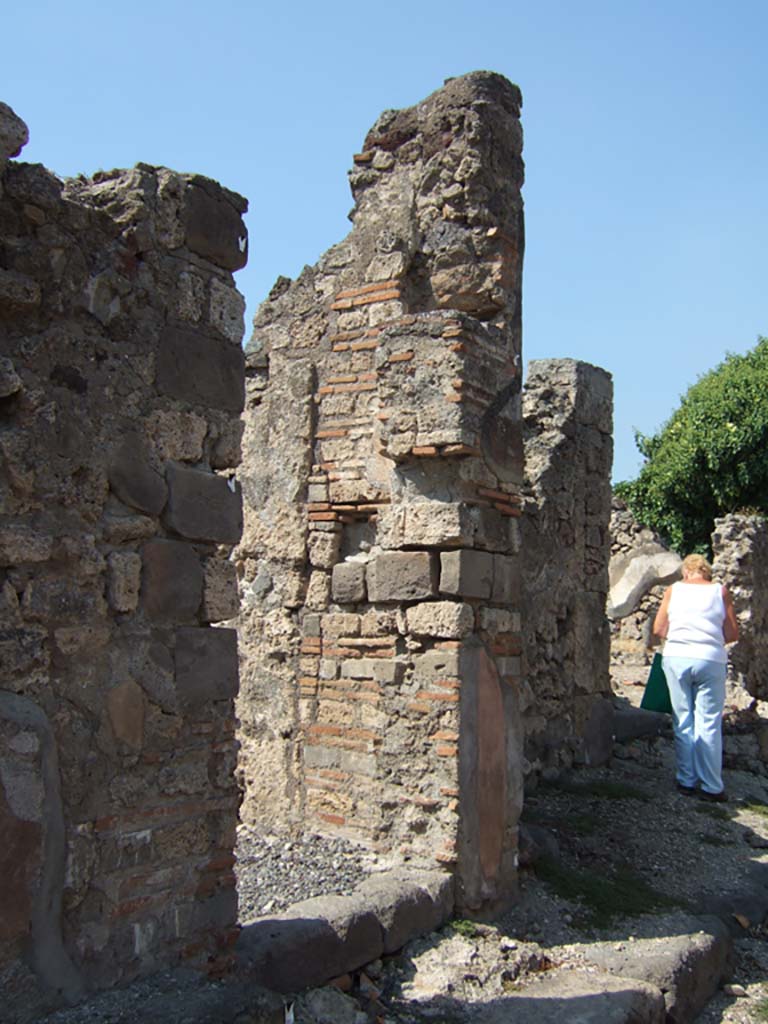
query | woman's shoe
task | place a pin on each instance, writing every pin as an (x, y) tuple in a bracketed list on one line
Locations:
[(686, 790), (715, 798)]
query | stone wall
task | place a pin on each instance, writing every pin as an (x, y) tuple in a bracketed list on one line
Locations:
[(381, 475), (740, 546), (121, 384), (568, 423)]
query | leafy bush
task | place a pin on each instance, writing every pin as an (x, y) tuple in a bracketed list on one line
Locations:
[(710, 458)]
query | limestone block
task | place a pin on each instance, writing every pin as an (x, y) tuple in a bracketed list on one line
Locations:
[(62, 601), (348, 582), (318, 595), (206, 665), (340, 624), (177, 435), (10, 381), (428, 524), (133, 479), (123, 580), (172, 580), (400, 576), (226, 440), (383, 670), (450, 619), (190, 298), (506, 580), (17, 291), (22, 650), (213, 226), (633, 574), (466, 573), (227, 311), (200, 369), (203, 506), (119, 529), (220, 596), (125, 709), (21, 544), (434, 665), (14, 134), (323, 549)]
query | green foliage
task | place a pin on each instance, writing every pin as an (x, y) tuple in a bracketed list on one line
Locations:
[(710, 458)]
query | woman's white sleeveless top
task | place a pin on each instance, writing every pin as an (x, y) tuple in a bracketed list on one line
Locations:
[(696, 615)]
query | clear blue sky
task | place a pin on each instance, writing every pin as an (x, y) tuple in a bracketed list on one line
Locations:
[(646, 146)]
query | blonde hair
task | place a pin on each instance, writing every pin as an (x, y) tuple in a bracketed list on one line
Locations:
[(697, 564)]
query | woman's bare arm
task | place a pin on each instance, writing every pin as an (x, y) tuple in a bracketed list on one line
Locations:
[(730, 624), (661, 622)]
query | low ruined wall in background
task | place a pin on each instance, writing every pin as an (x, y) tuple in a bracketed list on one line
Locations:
[(381, 475), (568, 424), (740, 560), (121, 385)]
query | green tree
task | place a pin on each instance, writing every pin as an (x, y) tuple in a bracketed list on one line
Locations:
[(709, 458)]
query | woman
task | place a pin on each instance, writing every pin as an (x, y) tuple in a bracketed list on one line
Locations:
[(697, 619)]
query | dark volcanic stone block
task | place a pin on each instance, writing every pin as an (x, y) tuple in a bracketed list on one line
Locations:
[(201, 370), (171, 580), (215, 229), (206, 665), (203, 506), (134, 480)]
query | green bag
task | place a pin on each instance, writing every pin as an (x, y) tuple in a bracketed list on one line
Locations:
[(656, 696)]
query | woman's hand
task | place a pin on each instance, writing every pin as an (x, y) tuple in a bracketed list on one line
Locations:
[(661, 622)]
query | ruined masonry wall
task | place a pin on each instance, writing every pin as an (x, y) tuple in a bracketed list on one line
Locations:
[(568, 428), (121, 384), (382, 466), (740, 547)]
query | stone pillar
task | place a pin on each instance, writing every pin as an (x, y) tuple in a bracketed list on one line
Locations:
[(740, 560), (567, 413), (121, 384), (381, 476)]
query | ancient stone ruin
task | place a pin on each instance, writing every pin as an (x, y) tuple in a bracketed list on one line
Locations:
[(420, 615), (121, 385), (382, 690)]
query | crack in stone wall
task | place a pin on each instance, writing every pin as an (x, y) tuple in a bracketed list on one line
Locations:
[(121, 384)]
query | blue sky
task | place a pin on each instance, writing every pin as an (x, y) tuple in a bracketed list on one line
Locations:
[(646, 147)]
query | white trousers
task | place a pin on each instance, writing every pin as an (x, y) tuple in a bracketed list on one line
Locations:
[(697, 693)]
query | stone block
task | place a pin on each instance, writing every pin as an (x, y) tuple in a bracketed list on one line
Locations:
[(14, 134), (227, 310), (323, 549), (506, 580), (314, 941), (466, 573), (340, 624), (400, 576), (21, 544), (383, 670), (408, 904), (203, 506), (434, 665), (200, 369), (172, 580), (213, 227), (450, 619), (220, 596), (62, 601), (17, 291), (123, 580), (348, 582), (206, 665), (177, 435), (133, 479), (428, 524), (125, 709)]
